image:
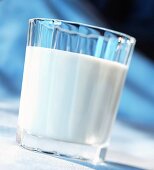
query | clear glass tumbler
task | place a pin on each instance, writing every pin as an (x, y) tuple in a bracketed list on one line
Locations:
[(73, 77)]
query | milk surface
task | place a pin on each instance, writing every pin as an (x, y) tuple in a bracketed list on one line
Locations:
[(68, 96)]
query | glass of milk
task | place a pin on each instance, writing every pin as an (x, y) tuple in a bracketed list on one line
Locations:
[(73, 77)]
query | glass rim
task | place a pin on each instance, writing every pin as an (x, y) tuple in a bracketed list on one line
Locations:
[(130, 38)]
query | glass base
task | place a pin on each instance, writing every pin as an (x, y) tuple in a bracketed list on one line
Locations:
[(83, 152)]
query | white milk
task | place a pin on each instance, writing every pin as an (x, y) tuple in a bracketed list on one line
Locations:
[(69, 96)]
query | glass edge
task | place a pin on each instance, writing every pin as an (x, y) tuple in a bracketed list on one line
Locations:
[(131, 39)]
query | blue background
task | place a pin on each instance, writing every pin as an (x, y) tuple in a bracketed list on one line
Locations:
[(137, 102)]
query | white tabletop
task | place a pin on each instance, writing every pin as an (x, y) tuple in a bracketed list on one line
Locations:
[(129, 147)]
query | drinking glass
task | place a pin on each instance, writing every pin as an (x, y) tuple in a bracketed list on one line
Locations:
[(73, 77)]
